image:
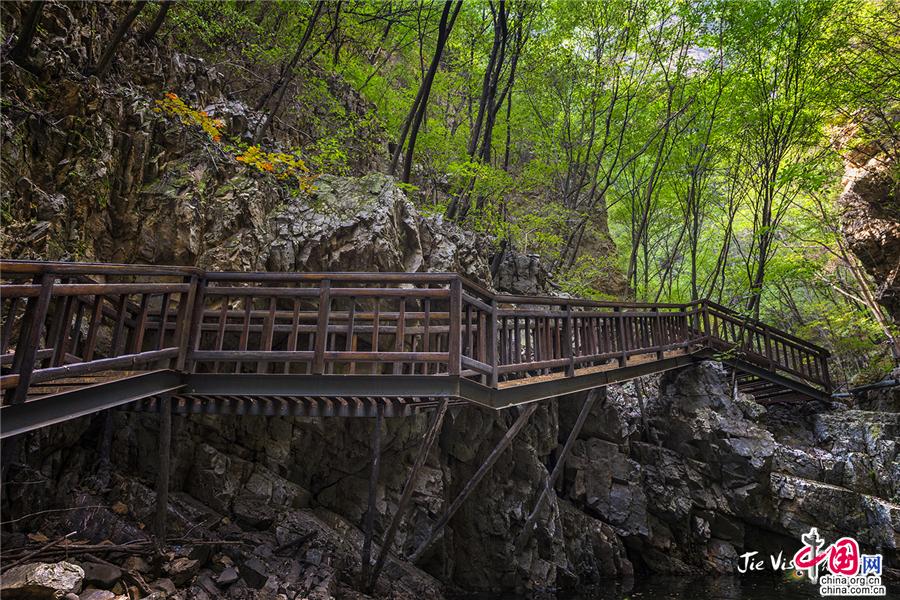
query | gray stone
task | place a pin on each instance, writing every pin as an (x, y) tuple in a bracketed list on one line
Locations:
[(101, 575), (228, 576), (41, 580), (94, 594), (182, 570), (164, 585), (137, 564), (254, 573)]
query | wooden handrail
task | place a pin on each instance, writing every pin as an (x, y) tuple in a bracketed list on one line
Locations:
[(419, 323)]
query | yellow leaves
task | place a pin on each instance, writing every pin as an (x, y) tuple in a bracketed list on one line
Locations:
[(282, 165), (174, 106), (120, 508)]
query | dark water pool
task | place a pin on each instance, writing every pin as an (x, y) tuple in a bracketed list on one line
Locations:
[(703, 588)]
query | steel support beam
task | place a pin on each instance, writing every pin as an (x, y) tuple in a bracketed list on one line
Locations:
[(57, 408), (162, 479), (333, 386), (507, 439), (370, 509), (406, 496), (547, 488)]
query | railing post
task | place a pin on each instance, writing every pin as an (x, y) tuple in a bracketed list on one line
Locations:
[(184, 321), (455, 326), (707, 332), (620, 326), (23, 363), (656, 329), (823, 357), (322, 327), (195, 319), (492, 345), (768, 341), (29, 338), (569, 343)]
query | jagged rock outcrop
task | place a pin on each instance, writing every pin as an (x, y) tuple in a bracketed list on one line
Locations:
[(683, 486), (870, 220), (38, 581)]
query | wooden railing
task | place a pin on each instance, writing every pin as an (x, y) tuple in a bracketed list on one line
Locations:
[(72, 319)]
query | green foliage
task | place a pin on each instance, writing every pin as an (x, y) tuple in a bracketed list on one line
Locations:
[(686, 145), (284, 166)]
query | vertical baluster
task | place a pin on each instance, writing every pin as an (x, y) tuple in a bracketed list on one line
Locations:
[(245, 330), (469, 349), (321, 337), (657, 323), (502, 354), (29, 341), (527, 332), (517, 342), (455, 334), (569, 341), (400, 335), (426, 341), (119, 330), (189, 321), (556, 325), (482, 340), (492, 338), (376, 366), (268, 334), (59, 329), (350, 342), (163, 321), (548, 337), (220, 331), (6, 332), (622, 347), (604, 336), (140, 326), (90, 342), (75, 337), (294, 334)]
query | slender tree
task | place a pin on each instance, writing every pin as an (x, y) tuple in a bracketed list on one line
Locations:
[(19, 52), (105, 61)]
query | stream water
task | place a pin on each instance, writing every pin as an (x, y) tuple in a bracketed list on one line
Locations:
[(759, 587)]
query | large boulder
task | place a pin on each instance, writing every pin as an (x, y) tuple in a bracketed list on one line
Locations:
[(41, 581)]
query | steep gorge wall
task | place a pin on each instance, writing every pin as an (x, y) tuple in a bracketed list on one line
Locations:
[(870, 220), (98, 175), (708, 479)]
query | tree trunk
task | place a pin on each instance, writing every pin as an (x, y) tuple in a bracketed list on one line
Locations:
[(286, 75), (444, 29), (100, 69), (157, 22), (19, 52)]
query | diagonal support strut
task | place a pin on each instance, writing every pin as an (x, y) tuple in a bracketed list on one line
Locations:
[(507, 439), (425, 448), (528, 529), (370, 511)]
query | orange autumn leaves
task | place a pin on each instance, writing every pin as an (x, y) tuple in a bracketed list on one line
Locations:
[(283, 165)]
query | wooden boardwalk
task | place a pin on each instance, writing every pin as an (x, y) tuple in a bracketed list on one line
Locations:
[(79, 338)]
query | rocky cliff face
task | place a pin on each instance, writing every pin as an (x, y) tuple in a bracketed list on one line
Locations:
[(711, 478), (686, 488), (870, 221)]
